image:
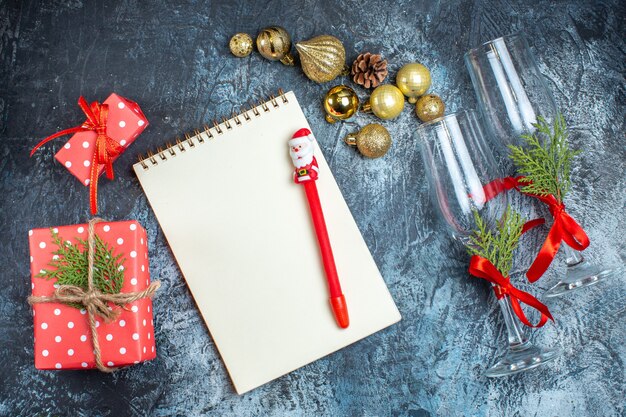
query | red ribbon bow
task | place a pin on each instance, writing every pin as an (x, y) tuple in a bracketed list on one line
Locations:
[(106, 149), (481, 267), (564, 228)]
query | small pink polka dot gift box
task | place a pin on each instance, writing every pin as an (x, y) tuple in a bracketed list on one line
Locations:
[(62, 330), (124, 123)]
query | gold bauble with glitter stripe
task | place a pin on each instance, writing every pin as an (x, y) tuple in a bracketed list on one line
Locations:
[(274, 43)]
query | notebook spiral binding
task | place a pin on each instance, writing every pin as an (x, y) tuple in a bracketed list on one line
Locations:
[(199, 137)]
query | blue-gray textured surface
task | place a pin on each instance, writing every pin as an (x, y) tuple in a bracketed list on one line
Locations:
[(172, 58)]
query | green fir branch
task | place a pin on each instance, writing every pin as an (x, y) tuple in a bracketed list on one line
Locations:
[(70, 264), (546, 161), (497, 247)]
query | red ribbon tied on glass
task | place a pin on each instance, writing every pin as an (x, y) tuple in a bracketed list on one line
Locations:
[(564, 228), (482, 268), (106, 149)]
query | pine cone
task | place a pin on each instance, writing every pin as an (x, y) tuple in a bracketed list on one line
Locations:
[(369, 70)]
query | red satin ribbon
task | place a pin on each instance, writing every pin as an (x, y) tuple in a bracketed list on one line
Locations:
[(564, 228), (499, 185), (106, 149), (481, 267)]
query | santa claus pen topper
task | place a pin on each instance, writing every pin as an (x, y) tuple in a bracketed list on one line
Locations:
[(306, 172)]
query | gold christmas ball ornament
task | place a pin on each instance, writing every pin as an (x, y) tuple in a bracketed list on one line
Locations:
[(386, 102), (323, 58), (274, 43), (373, 141), (340, 103), (413, 80), (429, 107), (240, 45)]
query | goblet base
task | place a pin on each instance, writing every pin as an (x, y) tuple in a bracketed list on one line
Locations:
[(580, 275), (522, 358)]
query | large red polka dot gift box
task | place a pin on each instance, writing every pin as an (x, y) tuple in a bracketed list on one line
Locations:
[(64, 303)]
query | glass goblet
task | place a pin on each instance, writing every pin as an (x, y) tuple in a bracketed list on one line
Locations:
[(512, 93), (458, 165)]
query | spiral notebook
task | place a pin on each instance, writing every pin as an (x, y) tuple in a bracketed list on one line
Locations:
[(241, 232)]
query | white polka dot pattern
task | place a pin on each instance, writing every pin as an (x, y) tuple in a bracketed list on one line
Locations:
[(124, 124), (65, 336)]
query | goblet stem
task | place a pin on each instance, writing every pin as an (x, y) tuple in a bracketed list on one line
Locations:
[(521, 355), (513, 327), (572, 257)]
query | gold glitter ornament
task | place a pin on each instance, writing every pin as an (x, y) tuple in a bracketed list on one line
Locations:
[(386, 102), (373, 141), (429, 107), (274, 43), (340, 103), (413, 80), (323, 58), (240, 45)]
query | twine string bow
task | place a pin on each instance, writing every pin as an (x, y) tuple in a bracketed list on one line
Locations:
[(95, 302)]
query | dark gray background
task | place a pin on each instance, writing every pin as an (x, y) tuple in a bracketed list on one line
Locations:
[(172, 58)]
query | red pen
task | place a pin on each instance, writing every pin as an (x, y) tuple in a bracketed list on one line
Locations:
[(306, 172)]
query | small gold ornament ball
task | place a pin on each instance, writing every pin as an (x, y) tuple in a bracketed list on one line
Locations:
[(386, 101), (274, 43), (240, 45), (340, 103), (373, 141), (413, 80), (429, 107)]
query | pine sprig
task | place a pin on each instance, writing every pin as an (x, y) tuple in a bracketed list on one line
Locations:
[(547, 159), (70, 264), (497, 247)]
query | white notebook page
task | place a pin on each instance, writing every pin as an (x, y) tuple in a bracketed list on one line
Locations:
[(241, 232)]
